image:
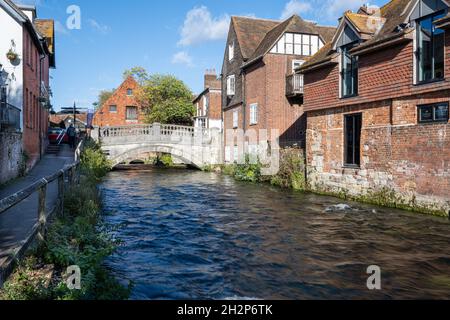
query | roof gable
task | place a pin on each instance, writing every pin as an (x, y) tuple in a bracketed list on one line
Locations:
[(294, 24), (250, 32)]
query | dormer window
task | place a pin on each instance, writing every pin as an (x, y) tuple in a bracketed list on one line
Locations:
[(430, 49), (349, 72), (231, 51)]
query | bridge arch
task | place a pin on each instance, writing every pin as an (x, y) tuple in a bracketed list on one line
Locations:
[(137, 153)]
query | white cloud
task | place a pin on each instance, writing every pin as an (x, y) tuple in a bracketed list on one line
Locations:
[(182, 57), (295, 7), (103, 29), (200, 26)]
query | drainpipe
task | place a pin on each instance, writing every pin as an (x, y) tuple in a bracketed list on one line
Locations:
[(41, 59), (244, 102)]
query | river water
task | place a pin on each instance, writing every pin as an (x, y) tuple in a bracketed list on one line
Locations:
[(196, 235)]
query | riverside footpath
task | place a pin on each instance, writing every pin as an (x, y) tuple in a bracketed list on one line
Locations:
[(18, 222)]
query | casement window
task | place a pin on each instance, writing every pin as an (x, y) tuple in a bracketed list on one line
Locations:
[(231, 85), (113, 109), (254, 114), (129, 92), (349, 73), (235, 119), (430, 49), (352, 132), (433, 113), (298, 44), (205, 105), (231, 51), (131, 113)]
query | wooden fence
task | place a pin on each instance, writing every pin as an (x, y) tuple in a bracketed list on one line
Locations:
[(66, 177)]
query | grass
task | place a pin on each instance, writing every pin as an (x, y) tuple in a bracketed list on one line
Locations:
[(79, 237)]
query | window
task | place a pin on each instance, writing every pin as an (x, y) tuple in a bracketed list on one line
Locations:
[(231, 85), (433, 113), (296, 64), (235, 119), (131, 113), (203, 123), (349, 73), (298, 44), (205, 105), (231, 51), (113, 109), (129, 92), (352, 131), (254, 114), (430, 49)]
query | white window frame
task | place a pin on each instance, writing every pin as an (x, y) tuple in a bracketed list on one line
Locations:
[(235, 119), (231, 85), (231, 51), (296, 61), (253, 114)]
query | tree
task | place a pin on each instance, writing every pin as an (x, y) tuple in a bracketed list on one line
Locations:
[(167, 100), (138, 73), (103, 96)]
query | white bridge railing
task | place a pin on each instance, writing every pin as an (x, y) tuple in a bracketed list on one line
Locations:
[(151, 133)]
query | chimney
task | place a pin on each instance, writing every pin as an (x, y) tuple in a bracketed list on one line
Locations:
[(368, 9), (211, 80)]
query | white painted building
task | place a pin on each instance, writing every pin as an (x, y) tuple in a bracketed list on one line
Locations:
[(11, 38)]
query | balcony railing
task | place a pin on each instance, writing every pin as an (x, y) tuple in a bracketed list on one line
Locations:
[(9, 117), (294, 85)]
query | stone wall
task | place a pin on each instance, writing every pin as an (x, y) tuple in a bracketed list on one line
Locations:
[(403, 162), (10, 156)]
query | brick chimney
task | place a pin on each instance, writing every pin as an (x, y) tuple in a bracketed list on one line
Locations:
[(211, 80)]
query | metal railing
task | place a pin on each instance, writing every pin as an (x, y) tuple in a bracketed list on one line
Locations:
[(294, 84), (9, 117)]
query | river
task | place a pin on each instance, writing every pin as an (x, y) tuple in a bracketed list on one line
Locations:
[(195, 235)]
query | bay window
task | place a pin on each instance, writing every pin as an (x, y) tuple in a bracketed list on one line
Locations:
[(430, 49), (349, 73)]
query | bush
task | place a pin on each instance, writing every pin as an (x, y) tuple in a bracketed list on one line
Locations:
[(93, 162), (292, 170), (77, 238)]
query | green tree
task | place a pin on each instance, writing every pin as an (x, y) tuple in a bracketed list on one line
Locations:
[(138, 73), (103, 96), (167, 100)]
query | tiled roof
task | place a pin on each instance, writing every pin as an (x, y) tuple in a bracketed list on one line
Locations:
[(250, 32), (294, 24), (392, 15)]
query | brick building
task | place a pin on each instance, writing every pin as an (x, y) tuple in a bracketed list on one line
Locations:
[(208, 104), (259, 87), (122, 108), (25, 89), (377, 102)]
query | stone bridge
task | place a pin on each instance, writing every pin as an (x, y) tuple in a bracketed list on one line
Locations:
[(194, 146)]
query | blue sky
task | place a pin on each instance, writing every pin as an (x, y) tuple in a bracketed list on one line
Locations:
[(179, 37)]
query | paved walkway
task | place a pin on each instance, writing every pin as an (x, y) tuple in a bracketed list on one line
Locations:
[(17, 223)]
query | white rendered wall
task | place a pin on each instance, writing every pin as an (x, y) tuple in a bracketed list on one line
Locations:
[(12, 30)]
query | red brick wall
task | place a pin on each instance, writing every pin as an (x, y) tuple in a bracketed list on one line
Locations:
[(383, 74), (265, 84), (34, 115), (104, 118), (399, 154)]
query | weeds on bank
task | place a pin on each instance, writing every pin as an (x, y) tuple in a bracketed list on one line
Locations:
[(78, 238)]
